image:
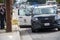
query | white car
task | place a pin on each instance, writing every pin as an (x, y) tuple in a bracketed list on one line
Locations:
[(54, 3)]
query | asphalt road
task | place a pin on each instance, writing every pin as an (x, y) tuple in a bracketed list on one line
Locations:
[(26, 34)]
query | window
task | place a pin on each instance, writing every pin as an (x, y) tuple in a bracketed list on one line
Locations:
[(47, 10), (22, 12)]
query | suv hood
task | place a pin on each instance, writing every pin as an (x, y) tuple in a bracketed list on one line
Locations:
[(44, 15)]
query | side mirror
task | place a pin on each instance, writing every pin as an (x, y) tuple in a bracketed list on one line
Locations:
[(27, 14)]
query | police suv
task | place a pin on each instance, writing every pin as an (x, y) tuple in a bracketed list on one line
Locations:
[(45, 17)]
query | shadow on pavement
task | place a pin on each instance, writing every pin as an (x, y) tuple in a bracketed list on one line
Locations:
[(44, 31)]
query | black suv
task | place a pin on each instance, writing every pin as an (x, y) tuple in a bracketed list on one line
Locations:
[(45, 17)]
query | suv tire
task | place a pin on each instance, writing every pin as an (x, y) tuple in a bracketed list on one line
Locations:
[(58, 29)]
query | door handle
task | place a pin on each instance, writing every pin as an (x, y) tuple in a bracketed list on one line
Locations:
[(20, 17)]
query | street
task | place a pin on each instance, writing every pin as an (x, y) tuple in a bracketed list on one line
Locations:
[(26, 34)]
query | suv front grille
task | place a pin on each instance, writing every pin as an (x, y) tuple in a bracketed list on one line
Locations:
[(49, 19)]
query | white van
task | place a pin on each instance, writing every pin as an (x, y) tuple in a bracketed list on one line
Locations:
[(24, 20), (54, 3)]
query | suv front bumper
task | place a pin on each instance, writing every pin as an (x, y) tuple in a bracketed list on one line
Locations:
[(39, 25)]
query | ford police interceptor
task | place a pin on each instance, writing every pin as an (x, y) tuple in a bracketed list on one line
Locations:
[(45, 17)]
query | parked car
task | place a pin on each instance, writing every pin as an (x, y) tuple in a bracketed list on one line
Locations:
[(52, 3), (24, 17), (45, 17)]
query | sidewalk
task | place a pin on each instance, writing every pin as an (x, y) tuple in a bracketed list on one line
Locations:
[(24, 34), (10, 35)]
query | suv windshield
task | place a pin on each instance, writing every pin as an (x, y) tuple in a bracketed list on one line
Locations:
[(49, 10), (52, 3)]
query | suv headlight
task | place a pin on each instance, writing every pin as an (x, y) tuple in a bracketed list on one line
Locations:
[(35, 19)]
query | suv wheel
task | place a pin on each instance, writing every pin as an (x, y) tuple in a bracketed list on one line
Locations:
[(32, 28), (59, 29)]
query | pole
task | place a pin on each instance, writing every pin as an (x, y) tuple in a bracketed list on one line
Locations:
[(8, 16)]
